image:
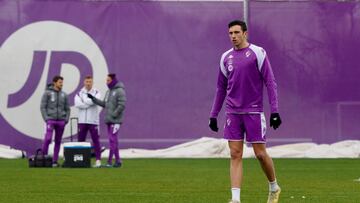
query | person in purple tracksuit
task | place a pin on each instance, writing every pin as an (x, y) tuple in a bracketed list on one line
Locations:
[(55, 111), (88, 115), (244, 70), (114, 104)]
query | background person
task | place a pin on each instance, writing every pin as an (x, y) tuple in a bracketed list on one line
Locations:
[(55, 111), (114, 104), (88, 115)]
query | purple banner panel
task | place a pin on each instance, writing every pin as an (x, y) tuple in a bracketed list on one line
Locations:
[(166, 53), (314, 48)]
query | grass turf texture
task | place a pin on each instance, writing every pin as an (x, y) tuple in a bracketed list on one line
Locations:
[(180, 180)]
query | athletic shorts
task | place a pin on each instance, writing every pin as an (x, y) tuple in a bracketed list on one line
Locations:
[(250, 127)]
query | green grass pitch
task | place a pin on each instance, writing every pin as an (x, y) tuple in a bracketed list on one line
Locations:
[(180, 180)]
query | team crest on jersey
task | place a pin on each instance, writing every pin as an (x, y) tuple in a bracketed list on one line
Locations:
[(231, 56), (248, 53), (230, 68)]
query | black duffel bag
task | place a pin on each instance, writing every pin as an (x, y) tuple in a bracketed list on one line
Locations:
[(40, 160)]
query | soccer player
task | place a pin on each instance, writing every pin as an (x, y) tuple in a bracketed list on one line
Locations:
[(89, 116), (55, 111), (114, 104), (244, 70)]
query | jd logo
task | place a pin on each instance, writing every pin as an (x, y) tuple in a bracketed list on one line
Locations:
[(57, 59), (31, 56)]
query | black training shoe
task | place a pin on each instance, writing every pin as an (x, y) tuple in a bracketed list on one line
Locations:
[(117, 165)]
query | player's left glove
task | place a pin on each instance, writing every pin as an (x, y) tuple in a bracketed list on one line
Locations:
[(213, 124), (275, 120)]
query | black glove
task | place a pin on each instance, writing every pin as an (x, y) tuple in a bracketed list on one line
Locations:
[(275, 120), (213, 124), (90, 96)]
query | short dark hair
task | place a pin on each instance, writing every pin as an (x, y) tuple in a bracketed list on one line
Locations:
[(112, 75), (241, 23), (57, 77), (88, 77)]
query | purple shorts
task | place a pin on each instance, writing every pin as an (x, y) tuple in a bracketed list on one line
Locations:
[(250, 126)]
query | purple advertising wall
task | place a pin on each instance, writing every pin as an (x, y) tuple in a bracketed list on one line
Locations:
[(314, 48), (167, 54)]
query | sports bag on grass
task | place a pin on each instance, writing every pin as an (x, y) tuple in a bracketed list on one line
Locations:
[(40, 160)]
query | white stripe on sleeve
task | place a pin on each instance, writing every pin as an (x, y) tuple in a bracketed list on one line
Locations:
[(260, 55), (222, 67)]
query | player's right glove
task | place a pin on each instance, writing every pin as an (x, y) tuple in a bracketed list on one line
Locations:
[(90, 96), (213, 124), (275, 120)]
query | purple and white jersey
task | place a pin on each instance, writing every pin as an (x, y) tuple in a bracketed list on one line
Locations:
[(241, 78)]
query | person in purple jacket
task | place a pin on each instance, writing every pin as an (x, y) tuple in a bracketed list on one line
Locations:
[(244, 70)]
